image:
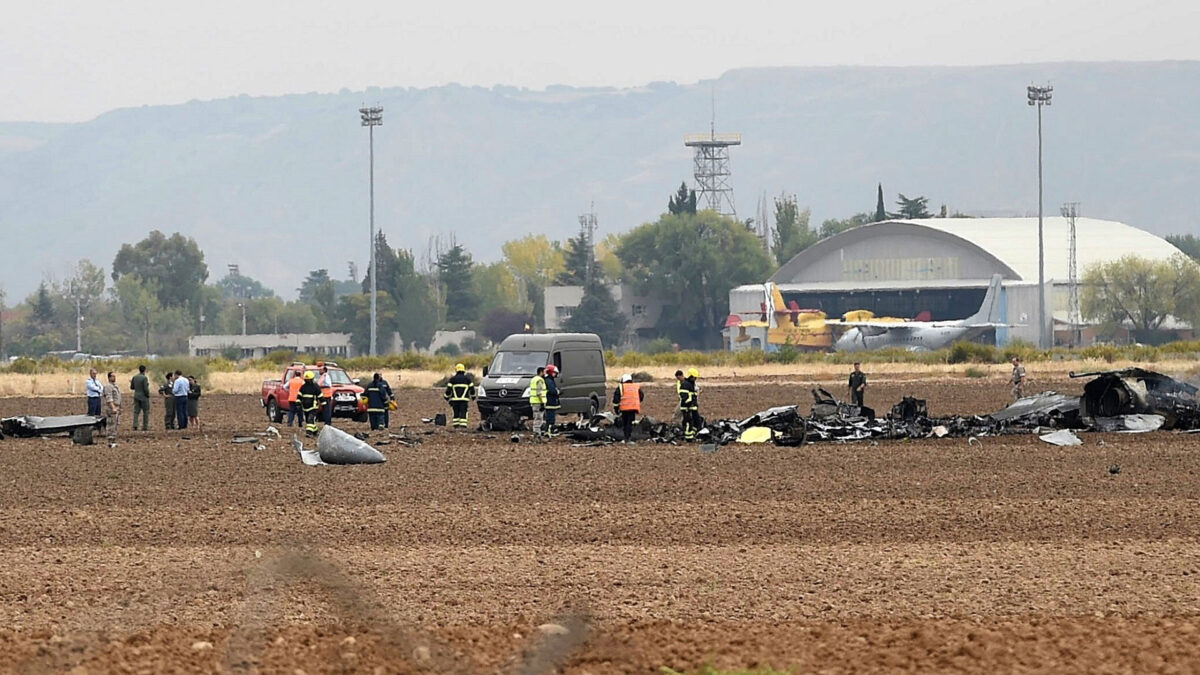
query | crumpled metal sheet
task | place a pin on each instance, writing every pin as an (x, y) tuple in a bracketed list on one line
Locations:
[(1043, 408), (1129, 424), (27, 426)]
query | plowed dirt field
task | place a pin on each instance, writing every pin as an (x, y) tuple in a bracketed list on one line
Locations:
[(183, 552)]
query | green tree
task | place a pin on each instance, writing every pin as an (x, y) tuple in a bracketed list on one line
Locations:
[(174, 266), (690, 262), (683, 201), (415, 313), (881, 213), (598, 313), (495, 286), (454, 273), (242, 287), (1188, 243), (353, 315), (139, 307), (1141, 291), (318, 291), (500, 322), (578, 256), (834, 226), (913, 209), (792, 233), (42, 306)]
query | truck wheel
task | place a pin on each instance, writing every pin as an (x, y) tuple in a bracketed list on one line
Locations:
[(593, 408), (274, 414)]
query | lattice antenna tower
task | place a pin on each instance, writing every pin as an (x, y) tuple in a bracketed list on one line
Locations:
[(711, 166), (587, 238), (1070, 211)]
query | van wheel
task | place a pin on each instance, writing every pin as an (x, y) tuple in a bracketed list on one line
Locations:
[(593, 407)]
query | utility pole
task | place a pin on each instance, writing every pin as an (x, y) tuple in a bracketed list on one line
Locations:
[(1040, 96), (371, 118), (587, 233), (78, 318), (243, 306), (1070, 211)]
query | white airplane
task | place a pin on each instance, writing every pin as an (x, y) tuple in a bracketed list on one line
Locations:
[(921, 335)]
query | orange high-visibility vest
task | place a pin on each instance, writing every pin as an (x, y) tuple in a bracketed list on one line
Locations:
[(631, 397), (294, 385)]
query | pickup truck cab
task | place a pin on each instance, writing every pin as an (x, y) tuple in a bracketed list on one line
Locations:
[(343, 392)]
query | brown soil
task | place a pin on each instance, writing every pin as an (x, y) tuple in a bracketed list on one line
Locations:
[(184, 552)]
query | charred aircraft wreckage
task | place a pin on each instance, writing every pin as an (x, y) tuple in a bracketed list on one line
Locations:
[(1129, 400)]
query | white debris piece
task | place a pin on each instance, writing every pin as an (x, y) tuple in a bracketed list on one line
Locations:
[(1061, 437)]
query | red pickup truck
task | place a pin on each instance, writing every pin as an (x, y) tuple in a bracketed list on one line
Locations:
[(343, 392)]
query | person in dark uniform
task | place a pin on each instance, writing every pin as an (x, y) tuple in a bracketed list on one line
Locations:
[(140, 385), (552, 399), (858, 385), (391, 402), (460, 391), (377, 401), (167, 392), (310, 403), (689, 404)]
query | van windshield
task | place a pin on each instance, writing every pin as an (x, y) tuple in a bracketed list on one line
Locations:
[(518, 363)]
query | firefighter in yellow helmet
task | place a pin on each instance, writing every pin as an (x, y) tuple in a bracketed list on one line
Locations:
[(460, 391), (689, 404), (309, 398)]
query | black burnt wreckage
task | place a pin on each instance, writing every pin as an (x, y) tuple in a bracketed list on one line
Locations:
[(1130, 400)]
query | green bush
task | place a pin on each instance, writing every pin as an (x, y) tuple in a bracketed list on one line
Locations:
[(279, 357), (974, 371), (658, 346), (158, 369), (449, 350), (972, 352), (232, 352), (23, 365), (642, 376)]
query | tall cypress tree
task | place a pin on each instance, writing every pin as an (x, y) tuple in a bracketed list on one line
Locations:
[(881, 213)]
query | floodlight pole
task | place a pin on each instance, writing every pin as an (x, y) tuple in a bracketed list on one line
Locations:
[(243, 306), (1040, 96), (371, 118)]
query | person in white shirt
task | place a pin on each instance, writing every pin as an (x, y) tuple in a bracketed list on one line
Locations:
[(180, 388), (95, 390)]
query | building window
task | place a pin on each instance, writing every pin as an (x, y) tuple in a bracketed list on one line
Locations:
[(638, 310), (563, 313)]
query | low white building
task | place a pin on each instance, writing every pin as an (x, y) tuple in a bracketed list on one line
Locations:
[(258, 346), (642, 311)]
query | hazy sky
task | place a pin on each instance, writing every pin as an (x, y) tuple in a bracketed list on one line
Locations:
[(70, 61)]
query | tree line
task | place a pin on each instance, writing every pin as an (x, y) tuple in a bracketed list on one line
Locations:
[(157, 293)]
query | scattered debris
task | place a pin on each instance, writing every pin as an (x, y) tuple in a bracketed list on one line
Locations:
[(1061, 437), (1129, 391), (1129, 424), (1114, 469), (273, 431), (28, 426), (245, 439), (83, 436), (503, 418)]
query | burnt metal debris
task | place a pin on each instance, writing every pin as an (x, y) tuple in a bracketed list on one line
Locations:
[(1132, 400), (27, 426)]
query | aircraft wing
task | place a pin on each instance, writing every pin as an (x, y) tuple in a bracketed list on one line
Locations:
[(889, 325)]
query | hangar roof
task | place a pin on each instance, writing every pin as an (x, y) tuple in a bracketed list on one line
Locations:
[(1013, 242)]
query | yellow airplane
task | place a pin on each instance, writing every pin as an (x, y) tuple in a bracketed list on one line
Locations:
[(800, 328)]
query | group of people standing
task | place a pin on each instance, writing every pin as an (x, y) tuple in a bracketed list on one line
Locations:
[(181, 401)]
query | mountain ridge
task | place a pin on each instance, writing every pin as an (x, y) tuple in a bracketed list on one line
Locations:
[(278, 184)]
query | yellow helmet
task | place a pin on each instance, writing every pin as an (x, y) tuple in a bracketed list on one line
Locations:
[(308, 375), (692, 372), (460, 368)]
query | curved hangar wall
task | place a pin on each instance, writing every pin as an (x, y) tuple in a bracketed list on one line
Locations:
[(899, 267)]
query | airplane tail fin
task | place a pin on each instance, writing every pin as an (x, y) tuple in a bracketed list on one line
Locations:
[(989, 311)]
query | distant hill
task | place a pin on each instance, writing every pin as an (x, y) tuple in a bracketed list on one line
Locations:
[(279, 184)]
